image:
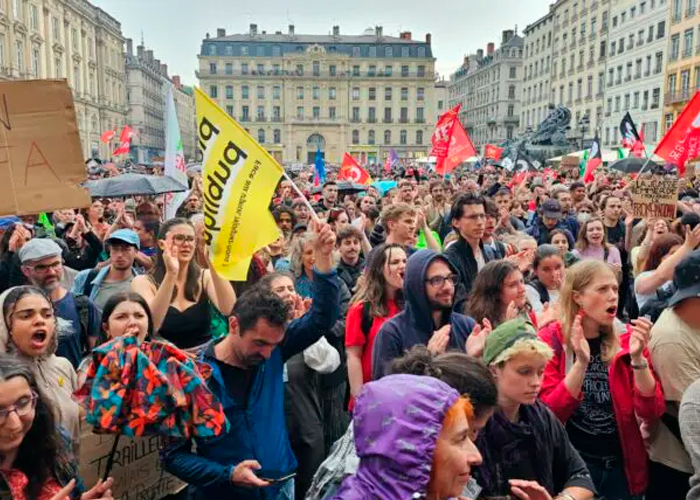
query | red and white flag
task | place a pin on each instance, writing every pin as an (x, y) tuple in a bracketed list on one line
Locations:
[(461, 149), (442, 137), (682, 141), (595, 159), (124, 141), (350, 170), (107, 136)]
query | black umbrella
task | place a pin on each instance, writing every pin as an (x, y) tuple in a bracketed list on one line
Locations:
[(133, 184), (632, 165), (345, 187)]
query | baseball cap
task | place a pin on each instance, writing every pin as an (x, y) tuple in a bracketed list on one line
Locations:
[(37, 249), (551, 209), (127, 236), (686, 279)]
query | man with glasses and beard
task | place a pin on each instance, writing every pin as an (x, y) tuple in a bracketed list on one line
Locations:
[(427, 318), (42, 265)]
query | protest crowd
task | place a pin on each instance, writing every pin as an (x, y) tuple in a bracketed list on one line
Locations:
[(478, 333)]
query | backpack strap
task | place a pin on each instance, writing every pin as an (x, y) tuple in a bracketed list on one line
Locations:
[(87, 288), (367, 320)]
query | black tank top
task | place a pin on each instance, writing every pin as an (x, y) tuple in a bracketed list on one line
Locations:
[(188, 328)]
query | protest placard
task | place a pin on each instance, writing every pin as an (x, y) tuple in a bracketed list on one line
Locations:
[(41, 160), (137, 471), (655, 198), (570, 162)]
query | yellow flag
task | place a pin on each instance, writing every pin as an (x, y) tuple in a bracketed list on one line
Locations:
[(239, 179)]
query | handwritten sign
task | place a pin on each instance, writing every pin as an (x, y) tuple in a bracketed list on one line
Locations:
[(570, 162), (655, 198), (41, 160), (137, 471)]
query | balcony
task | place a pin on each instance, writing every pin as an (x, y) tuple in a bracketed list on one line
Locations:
[(647, 73), (562, 74), (511, 120), (607, 114), (579, 67), (676, 97), (276, 119), (618, 81), (687, 53), (260, 118), (592, 35), (244, 119), (315, 119), (676, 18), (590, 64), (403, 120), (690, 13), (420, 120), (578, 100), (387, 120), (599, 95), (628, 78), (354, 120), (371, 120), (570, 72)]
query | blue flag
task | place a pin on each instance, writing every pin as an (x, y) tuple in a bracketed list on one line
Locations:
[(320, 166)]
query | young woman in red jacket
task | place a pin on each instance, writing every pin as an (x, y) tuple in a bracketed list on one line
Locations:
[(599, 381)]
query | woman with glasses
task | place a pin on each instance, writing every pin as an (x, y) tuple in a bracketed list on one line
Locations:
[(178, 291), (28, 331), (34, 463)]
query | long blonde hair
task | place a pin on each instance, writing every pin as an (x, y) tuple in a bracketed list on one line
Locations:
[(579, 277)]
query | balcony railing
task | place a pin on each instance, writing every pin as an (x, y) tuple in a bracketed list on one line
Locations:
[(676, 97)]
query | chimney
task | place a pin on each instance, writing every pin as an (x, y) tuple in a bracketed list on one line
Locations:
[(336, 30), (278, 32), (149, 56), (176, 81), (129, 47), (428, 38), (291, 30), (405, 35), (479, 55), (139, 52), (156, 65), (220, 32), (490, 48), (507, 35), (207, 36), (465, 64), (164, 69), (253, 30), (379, 31)]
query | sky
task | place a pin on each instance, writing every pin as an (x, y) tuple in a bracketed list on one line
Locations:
[(174, 29)]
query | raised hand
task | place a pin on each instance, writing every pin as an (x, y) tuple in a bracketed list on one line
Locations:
[(171, 257), (101, 491), (512, 311), (641, 330), (477, 338), (579, 343), (438, 342)]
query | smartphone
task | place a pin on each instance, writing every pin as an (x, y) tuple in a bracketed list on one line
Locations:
[(274, 476)]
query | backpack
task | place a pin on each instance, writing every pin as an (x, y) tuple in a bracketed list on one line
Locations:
[(367, 319), (82, 304)]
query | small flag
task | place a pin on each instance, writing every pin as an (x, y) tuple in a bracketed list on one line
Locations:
[(442, 137), (320, 167), (631, 138), (461, 149), (350, 170), (682, 141), (391, 161), (594, 160), (492, 152), (107, 136), (124, 141)]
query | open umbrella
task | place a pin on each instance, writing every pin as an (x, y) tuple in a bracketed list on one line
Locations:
[(345, 187), (631, 165), (151, 388), (133, 184)]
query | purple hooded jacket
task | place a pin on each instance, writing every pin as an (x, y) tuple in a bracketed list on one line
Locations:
[(397, 421)]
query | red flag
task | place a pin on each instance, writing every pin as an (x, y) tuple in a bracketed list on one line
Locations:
[(682, 141), (107, 136), (350, 170), (461, 148), (492, 152), (595, 158), (124, 141), (442, 137)]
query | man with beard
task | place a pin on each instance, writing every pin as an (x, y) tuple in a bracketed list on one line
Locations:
[(248, 378), (427, 318), (438, 206), (407, 192), (101, 283), (329, 200), (42, 265)]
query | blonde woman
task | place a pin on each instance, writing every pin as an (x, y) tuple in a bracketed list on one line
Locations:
[(599, 380)]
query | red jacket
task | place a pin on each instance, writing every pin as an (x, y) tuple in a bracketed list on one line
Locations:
[(628, 403)]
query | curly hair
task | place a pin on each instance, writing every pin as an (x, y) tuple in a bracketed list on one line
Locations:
[(485, 297)]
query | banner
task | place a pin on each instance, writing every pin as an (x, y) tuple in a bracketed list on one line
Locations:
[(137, 470), (350, 170), (492, 152), (682, 140), (461, 149), (174, 165), (124, 142), (41, 158), (240, 178), (442, 137), (655, 198), (392, 160)]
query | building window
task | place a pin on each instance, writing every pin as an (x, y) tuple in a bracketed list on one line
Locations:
[(389, 52), (276, 92), (316, 68), (404, 52), (244, 68), (300, 92), (421, 71), (229, 91), (356, 70), (387, 93), (372, 94), (419, 137), (316, 92), (261, 92), (669, 120), (355, 114), (57, 67), (403, 137), (316, 110), (404, 71), (356, 93), (244, 50), (276, 111), (212, 68), (387, 115), (387, 137), (511, 92), (371, 114), (261, 136), (331, 113), (372, 70), (277, 136), (33, 18), (260, 69), (420, 94), (229, 69), (229, 110), (332, 70), (332, 92), (300, 70), (276, 51), (300, 112), (661, 29), (55, 27), (356, 52), (213, 91), (35, 62), (355, 136), (388, 70), (513, 72), (404, 94), (420, 115), (370, 137)]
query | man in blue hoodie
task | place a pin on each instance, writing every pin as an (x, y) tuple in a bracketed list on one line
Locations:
[(427, 317), (247, 377)]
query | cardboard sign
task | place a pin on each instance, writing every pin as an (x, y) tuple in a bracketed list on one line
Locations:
[(41, 160), (136, 471), (570, 162), (655, 198)]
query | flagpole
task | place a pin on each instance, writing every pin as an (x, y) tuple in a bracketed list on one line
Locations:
[(301, 195), (646, 163)]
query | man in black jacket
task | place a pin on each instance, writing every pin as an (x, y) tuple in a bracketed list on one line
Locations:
[(468, 254)]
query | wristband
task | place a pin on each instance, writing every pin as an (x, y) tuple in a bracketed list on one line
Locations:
[(643, 366)]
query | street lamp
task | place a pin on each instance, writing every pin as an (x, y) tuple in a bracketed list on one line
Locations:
[(583, 125)]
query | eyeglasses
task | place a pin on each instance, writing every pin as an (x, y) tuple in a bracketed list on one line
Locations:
[(22, 408), (44, 268), (184, 238), (439, 281)]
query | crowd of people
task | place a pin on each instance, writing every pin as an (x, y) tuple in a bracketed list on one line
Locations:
[(482, 335)]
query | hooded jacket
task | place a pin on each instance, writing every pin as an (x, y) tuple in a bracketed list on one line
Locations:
[(397, 421), (414, 325), (462, 258), (55, 376)]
